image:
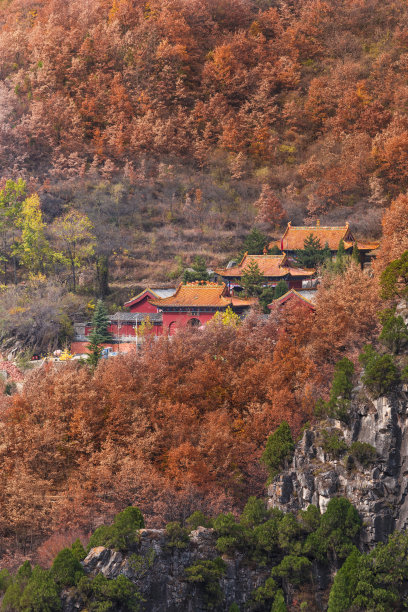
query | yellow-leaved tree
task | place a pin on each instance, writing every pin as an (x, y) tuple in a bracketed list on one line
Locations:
[(74, 236), (228, 318), (33, 249)]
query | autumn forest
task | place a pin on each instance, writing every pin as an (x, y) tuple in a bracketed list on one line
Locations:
[(157, 130)]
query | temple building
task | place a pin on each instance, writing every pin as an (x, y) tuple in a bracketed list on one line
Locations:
[(142, 301), (295, 298), (272, 267), (194, 304), (163, 311), (294, 238)]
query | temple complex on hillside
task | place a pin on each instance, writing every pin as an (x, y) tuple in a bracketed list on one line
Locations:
[(194, 304), (294, 238), (163, 311), (272, 267)]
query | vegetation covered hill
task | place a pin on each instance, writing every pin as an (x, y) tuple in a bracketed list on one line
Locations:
[(209, 100), (153, 132), (169, 123)]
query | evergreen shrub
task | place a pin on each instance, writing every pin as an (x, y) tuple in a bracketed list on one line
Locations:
[(177, 536), (122, 534), (333, 444), (66, 570), (207, 574), (363, 452), (380, 372), (279, 450)]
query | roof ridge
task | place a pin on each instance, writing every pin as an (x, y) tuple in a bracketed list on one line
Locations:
[(292, 290), (320, 227), (204, 284), (268, 255), (132, 299)]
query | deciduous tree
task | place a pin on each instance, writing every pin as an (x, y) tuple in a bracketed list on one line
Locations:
[(73, 233)]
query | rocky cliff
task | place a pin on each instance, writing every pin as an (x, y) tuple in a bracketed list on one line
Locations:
[(160, 576), (378, 491)]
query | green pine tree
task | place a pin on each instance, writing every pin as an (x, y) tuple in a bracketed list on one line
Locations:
[(101, 322), (355, 255), (312, 253), (198, 271), (279, 450), (267, 296), (281, 288), (99, 334), (279, 603), (326, 252), (342, 591), (341, 258), (252, 279), (254, 243)]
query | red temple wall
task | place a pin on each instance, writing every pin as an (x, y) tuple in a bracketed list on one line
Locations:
[(181, 319), (128, 330), (143, 305)]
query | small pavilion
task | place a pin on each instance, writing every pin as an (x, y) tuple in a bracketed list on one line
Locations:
[(293, 297)]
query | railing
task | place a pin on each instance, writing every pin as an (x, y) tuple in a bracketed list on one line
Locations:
[(115, 339)]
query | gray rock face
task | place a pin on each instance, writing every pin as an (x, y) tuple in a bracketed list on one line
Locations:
[(379, 492), (159, 572)]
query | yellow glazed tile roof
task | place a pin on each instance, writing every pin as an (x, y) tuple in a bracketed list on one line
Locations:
[(269, 265), (201, 294), (294, 236)]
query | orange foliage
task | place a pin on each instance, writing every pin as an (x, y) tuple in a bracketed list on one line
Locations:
[(118, 78), (176, 427), (184, 417), (346, 314), (395, 232)]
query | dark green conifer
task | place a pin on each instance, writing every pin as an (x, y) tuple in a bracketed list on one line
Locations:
[(99, 334), (281, 288), (312, 253), (198, 271), (254, 243), (355, 255), (252, 279)]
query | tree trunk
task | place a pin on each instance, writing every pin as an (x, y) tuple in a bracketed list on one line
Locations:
[(102, 275), (73, 276)]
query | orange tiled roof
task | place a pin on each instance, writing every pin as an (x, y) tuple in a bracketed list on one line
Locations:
[(363, 246), (236, 301), (201, 294), (269, 265), (294, 237), (292, 293)]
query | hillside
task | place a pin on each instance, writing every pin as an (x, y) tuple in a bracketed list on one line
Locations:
[(164, 121), (189, 107), (250, 459)]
